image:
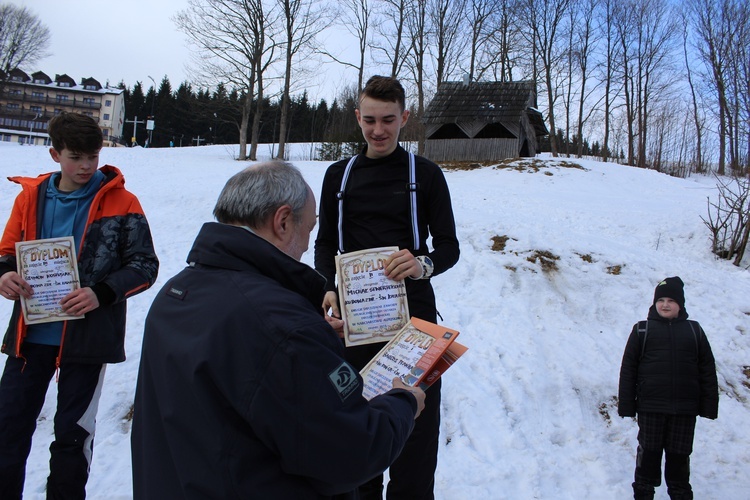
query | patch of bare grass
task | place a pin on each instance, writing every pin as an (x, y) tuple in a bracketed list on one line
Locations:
[(498, 243), (615, 270), (534, 165), (604, 409), (462, 165), (546, 260), (586, 257)]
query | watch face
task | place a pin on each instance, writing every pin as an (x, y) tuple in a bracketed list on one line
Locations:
[(428, 261)]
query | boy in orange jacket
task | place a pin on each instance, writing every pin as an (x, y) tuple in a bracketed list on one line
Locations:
[(116, 260)]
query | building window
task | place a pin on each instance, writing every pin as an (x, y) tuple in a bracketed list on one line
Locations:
[(35, 109), (58, 111), (5, 137), (39, 80), (88, 113), (37, 96), (62, 98), (105, 133), (47, 141), (89, 100), (108, 102), (64, 84), (15, 91), (12, 106), (106, 116)]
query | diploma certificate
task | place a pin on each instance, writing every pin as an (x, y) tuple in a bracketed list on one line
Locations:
[(373, 307), (51, 269)]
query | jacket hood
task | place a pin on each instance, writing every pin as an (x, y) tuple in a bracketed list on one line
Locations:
[(112, 174), (235, 248)]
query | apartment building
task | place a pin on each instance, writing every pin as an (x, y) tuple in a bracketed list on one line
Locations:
[(28, 102)]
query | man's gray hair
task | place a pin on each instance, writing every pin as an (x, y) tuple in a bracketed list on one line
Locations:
[(253, 195)]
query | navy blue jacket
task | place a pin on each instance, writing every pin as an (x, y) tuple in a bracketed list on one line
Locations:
[(673, 373), (243, 391)]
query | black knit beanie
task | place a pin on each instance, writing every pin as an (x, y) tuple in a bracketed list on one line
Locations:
[(671, 288)]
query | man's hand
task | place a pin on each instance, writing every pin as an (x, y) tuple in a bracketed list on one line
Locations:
[(79, 302), (401, 265), (416, 391), (331, 305), (13, 286)]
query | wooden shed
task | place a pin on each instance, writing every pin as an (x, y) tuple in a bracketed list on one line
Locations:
[(483, 121)]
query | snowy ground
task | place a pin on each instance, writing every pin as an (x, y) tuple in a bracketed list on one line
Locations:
[(528, 412)]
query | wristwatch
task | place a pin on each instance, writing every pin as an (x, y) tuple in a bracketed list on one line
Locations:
[(427, 266)]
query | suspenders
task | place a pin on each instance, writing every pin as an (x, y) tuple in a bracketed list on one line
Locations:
[(412, 186)]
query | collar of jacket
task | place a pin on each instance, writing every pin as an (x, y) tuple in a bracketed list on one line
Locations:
[(235, 248), (398, 156)]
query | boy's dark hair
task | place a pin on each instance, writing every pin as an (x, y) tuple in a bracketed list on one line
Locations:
[(75, 132), (384, 88)]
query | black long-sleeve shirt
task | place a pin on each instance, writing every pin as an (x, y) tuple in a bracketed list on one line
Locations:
[(377, 213)]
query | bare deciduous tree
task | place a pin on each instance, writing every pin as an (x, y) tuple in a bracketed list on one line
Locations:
[(23, 39), (607, 69), (355, 18), (479, 14), (647, 31), (697, 121), (416, 23), (506, 41), (392, 27), (545, 20), (234, 45), (729, 218), (586, 39), (302, 21), (445, 25)]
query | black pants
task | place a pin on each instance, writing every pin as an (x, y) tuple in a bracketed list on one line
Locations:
[(23, 388), (412, 475), (673, 434)]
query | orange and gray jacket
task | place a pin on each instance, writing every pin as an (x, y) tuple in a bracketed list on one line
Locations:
[(115, 258)]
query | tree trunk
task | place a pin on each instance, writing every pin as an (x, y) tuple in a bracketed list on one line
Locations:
[(246, 108)]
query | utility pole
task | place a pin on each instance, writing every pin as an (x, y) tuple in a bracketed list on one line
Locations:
[(152, 122), (198, 140), (135, 122)]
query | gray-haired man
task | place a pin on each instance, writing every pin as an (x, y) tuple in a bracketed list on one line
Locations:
[(243, 391)]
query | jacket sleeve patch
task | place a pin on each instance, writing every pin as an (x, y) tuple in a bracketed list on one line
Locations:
[(344, 380), (176, 292)]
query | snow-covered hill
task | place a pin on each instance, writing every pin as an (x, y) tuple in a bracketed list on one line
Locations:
[(528, 412)]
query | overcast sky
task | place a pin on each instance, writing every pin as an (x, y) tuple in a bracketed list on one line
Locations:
[(112, 42), (129, 41)]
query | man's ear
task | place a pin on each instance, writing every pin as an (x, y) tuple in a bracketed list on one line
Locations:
[(54, 154), (282, 222)]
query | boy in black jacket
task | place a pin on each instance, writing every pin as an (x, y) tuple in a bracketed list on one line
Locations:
[(668, 376)]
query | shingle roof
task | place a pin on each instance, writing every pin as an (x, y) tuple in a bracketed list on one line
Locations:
[(487, 102)]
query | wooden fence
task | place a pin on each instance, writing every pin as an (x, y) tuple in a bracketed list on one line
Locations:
[(471, 149)]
